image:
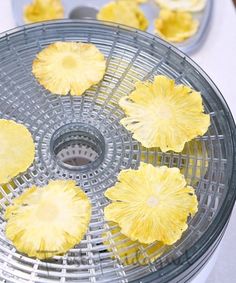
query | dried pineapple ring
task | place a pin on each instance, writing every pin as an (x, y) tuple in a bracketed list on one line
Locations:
[(175, 26), (16, 150), (151, 204), (124, 12), (43, 10), (65, 67), (130, 252), (182, 5), (162, 114), (48, 221)]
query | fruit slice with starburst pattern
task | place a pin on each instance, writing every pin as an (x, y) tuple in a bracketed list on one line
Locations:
[(43, 10), (73, 67), (151, 204), (130, 252), (125, 13), (163, 114), (16, 149), (175, 26), (48, 221)]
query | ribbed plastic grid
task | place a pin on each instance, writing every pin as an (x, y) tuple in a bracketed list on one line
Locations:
[(131, 56)]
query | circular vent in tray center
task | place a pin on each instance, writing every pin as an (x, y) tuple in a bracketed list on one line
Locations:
[(78, 146)]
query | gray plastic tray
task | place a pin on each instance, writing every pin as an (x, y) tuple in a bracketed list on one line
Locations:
[(93, 120), (150, 9)]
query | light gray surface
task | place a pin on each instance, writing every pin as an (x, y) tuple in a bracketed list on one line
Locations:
[(224, 270), (217, 57)]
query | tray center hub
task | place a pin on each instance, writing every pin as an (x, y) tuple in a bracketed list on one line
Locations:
[(78, 146)]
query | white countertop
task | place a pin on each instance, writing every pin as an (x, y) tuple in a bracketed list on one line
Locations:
[(217, 57)]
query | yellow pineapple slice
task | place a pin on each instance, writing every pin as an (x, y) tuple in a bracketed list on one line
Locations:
[(175, 26), (163, 114), (125, 13), (131, 252), (43, 10), (182, 5), (48, 221), (16, 149), (151, 204), (65, 67)]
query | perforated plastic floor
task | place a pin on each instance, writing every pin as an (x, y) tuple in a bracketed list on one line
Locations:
[(81, 138)]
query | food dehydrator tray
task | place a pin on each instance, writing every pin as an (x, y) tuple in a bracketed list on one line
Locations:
[(80, 137), (82, 8), (194, 42)]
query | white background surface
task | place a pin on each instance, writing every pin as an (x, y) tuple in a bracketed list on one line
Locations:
[(217, 57)]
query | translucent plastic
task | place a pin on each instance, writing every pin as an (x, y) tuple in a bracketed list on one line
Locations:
[(92, 120)]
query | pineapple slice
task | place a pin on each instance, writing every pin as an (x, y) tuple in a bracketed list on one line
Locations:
[(151, 204), (65, 67), (162, 114), (16, 150), (125, 13), (175, 26), (130, 252), (182, 5), (48, 221), (43, 10)]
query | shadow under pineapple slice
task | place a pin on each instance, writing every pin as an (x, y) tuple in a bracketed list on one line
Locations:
[(48, 221), (192, 161), (7, 189), (130, 252)]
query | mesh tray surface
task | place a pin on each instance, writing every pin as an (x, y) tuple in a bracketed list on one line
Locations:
[(81, 138)]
